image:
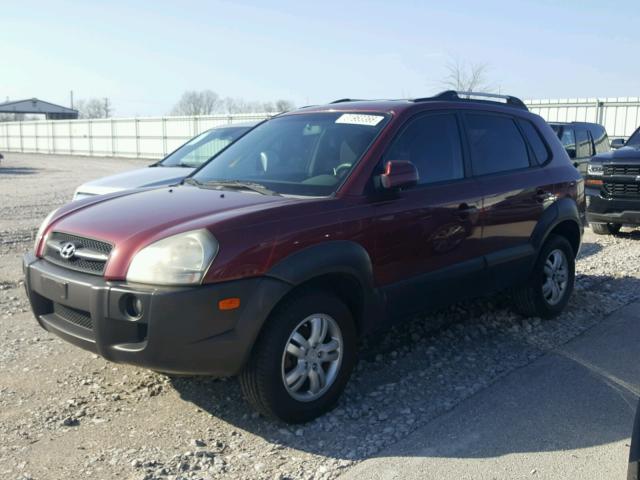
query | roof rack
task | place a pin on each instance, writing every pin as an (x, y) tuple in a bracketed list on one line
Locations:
[(454, 96), (343, 100)]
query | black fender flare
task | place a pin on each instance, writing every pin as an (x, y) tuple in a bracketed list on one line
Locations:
[(560, 211), (335, 257)]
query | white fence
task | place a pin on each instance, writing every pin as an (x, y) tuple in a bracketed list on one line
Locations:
[(157, 136), (152, 137), (620, 116)]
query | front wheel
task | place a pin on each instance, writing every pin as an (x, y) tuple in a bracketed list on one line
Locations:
[(550, 285), (302, 359)]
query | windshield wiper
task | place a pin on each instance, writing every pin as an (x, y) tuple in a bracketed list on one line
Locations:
[(239, 185), (191, 181)]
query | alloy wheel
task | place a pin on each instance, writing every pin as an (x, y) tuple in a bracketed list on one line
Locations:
[(556, 277), (312, 357)]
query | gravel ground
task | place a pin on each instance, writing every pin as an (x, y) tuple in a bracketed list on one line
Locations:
[(65, 413)]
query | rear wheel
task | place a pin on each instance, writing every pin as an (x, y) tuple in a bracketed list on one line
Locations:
[(550, 285), (303, 358), (605, 228)]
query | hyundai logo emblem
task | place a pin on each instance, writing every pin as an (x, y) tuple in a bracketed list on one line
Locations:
[(67, 251)]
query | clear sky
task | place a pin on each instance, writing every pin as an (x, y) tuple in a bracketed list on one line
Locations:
[(144, 54)]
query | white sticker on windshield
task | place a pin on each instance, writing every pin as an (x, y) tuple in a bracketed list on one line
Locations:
[(359, 119)]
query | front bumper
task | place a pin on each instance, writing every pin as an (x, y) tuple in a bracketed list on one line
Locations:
[(611, 210), (181, 330)]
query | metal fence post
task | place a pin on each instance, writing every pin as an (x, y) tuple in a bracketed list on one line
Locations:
[(113, 138), (90, 128), (137, 139), (164, 136)]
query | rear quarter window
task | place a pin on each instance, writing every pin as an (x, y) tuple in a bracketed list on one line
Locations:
[(536, 142)]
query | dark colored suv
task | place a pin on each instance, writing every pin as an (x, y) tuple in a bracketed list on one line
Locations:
[(613, 188), (582, 140), (313, 229)]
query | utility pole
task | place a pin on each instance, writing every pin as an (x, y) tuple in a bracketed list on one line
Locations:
[(107, 108), (71, 98)]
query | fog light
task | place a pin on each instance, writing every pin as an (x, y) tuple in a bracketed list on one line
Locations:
[(132, 307)]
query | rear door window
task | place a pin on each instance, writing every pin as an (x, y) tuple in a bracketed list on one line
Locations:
[(496, 144), (600, 139), (583, 143)]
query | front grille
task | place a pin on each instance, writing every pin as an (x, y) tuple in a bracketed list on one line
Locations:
[(633, 170), (73, 315), (626, 190), (95, 267)]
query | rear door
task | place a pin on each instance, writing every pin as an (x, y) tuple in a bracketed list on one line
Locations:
[(514, 189)]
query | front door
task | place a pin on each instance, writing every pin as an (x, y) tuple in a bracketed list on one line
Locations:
[(427, 248)]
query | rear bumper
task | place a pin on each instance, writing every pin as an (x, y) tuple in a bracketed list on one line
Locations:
[(181, 330), (612, 210)]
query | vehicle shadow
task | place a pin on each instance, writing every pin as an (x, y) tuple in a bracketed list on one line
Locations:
[(442, 369), (18, 170), (633, 234), (587, 249)]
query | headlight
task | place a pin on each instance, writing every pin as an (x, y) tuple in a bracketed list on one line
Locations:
[(178, 260), (595, 169), (43, 227)]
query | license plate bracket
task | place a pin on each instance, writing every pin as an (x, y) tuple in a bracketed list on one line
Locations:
[(53, 288)]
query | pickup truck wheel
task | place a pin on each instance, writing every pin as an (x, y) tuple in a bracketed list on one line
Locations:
[(550, 285), (302, 359), (605, 228)]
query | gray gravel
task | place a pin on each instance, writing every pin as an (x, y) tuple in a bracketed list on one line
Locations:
[(65, 413)]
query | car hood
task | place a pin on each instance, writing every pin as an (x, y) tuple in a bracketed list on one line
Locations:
[(141, 177), (622, 155), (132, 220)]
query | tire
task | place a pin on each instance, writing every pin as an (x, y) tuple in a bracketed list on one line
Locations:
[(263, 380), (605, 228), (536, 298)]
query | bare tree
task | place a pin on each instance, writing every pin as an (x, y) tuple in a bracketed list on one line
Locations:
[(192, 102), (207, 102), (467, 77), (12, 117), (94, 108), (284, 105)]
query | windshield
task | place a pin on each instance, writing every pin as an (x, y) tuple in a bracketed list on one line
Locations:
[(634, 140), (301, 154), (201, 148)]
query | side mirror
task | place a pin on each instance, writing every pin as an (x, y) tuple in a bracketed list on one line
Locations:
[(617, 143), (399, 174)]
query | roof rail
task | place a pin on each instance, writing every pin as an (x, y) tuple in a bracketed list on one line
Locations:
[(454, 96), (343, 100)]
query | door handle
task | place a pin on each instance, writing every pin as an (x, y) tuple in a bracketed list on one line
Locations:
[(465, 211)]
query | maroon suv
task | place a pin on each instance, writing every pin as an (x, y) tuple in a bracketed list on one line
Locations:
[(313, 229)]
